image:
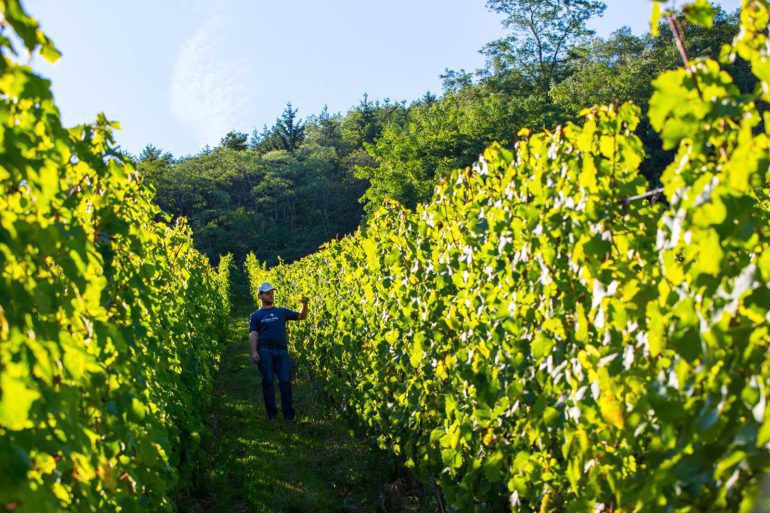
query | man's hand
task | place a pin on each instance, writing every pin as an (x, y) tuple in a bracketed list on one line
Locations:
[(303, 300), (255, 357)]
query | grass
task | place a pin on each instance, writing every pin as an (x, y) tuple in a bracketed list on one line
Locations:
[(250, 464)]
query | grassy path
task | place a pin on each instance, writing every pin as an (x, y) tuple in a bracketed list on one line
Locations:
[(313, 464)]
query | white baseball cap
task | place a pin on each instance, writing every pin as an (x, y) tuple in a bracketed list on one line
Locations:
[(265, 287)]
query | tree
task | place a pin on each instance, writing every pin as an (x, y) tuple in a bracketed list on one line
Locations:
[(289, 129), (455, 80), (428, 99), (324, 130), (543, 31), (264, 141), (412, 154), (361, 123), (154, 163), (234, 141), (152, 153), (287, 133), (608, 71)]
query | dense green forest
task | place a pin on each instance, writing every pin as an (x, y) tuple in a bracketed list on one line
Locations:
[(287, 188)]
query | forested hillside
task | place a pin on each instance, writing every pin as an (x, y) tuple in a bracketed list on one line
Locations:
[(287, 188)]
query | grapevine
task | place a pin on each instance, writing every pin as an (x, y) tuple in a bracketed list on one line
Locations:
[(109, 318)]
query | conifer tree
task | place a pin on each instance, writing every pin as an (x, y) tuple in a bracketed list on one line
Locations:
[(289, 129)]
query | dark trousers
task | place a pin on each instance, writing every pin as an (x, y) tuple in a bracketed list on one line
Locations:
[(272, 363)]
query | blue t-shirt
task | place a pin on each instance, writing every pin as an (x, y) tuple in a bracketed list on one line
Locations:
[(270, 325)]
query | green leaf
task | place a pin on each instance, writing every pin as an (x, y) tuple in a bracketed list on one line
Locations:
[(763, 438), (50, 53), (687, 343), (416, 354), (16, 400), (709, 253), (551, 415), (492, 467), (542, 345), (700, 12), (657, 12), (729, 462), (612, 410)]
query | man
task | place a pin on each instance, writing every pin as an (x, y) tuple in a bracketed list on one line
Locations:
[(269, 349)]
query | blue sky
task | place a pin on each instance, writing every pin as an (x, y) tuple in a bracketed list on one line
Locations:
[(179, 74)]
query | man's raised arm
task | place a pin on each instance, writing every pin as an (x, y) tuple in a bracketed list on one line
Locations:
[(303, 312)]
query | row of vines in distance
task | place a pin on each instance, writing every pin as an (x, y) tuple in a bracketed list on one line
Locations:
[(109, 319), (535, 343)]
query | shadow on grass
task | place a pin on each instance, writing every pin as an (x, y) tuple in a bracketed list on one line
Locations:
[(250, 464)]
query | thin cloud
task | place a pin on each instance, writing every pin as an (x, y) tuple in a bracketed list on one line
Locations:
[(209, 92)]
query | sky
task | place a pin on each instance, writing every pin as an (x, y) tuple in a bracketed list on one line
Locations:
[(180, 74)]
